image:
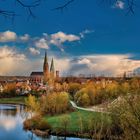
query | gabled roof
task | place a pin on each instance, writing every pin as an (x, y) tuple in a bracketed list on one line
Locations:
[(36, 73)]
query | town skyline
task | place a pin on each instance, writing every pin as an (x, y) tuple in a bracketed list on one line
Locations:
[(84, 41)]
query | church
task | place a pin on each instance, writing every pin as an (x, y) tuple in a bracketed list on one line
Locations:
[(48, 76)]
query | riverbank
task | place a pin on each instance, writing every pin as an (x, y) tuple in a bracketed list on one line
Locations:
[(74, 124), (13, 100)]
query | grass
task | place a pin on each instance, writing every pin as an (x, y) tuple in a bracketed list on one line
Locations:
[(74, 123), (13, 100)]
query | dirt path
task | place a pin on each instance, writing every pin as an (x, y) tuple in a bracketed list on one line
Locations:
[(92, 109)]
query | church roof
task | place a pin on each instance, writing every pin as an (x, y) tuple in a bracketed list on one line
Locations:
[(36, 73)]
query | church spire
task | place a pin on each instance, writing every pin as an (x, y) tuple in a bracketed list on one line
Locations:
[(52, 66), (46, 68), (45, 58)]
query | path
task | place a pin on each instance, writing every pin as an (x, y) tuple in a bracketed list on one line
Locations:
[(93, 109)]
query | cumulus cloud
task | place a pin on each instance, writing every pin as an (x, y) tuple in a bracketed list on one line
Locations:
[(57, 39), (10, 36), (24, 38), (34, 51), (112, 65), (62, 37), (7, 52), (42, 43), (11, 61), (7, 36), (119, 5), (45, 41)]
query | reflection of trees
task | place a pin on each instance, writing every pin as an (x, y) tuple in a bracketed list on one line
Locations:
[(9, 112), (12, 111)]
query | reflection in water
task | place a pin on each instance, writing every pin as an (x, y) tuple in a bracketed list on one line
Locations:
[(8, 113), (11, 125)]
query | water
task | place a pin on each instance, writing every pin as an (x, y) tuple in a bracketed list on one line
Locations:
[(11, 125)]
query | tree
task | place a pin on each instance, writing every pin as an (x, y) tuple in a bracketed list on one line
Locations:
[(126, 117), (64, 122), (33, 105), (55, 103), (73, 88), (9, 90)]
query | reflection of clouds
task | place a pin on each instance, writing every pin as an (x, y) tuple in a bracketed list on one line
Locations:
[(8, 123), (10, 116)]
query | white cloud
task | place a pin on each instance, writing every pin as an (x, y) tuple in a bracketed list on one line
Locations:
[(10, 61), (42, 43), (62, 37), (24, 38), (34, 51), (7, 36), (103, 64), (57, 39), (83, 33), (119, 5)]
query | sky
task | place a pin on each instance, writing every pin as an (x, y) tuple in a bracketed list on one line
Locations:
[(87, 37)]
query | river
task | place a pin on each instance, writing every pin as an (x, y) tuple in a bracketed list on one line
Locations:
[(11, 125)]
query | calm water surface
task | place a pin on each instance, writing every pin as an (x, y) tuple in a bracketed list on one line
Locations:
[(11, 125)]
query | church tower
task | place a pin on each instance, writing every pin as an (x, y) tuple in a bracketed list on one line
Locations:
[(52, 71), (52, 67), (46, 69)]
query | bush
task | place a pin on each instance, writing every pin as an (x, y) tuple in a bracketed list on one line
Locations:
[(9, 90), (73, 88), (36, 123)]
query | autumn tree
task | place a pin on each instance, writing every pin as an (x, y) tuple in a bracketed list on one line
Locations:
[(9, 90), (126, 117), (32, 105), (55, 103)]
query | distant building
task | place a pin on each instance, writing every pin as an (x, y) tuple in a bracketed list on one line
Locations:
[(36, 77), (48, 76)]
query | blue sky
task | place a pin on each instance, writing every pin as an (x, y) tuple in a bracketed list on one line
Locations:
[(84, 37)]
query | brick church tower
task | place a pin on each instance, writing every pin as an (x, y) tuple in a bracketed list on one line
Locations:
[(46, 69)]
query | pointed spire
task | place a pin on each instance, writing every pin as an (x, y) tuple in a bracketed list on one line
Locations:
[(46, 58), (52, 66)]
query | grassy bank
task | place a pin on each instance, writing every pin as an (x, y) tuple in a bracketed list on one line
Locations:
[(13, 100), (76, 118)]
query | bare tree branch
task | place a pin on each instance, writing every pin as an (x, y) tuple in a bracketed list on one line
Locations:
[(62, 7), (131, 4), (30, 6)]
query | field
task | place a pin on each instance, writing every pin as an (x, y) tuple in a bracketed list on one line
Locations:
[(75, 120)]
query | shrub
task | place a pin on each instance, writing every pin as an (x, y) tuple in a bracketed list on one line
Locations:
[(36, 122)]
